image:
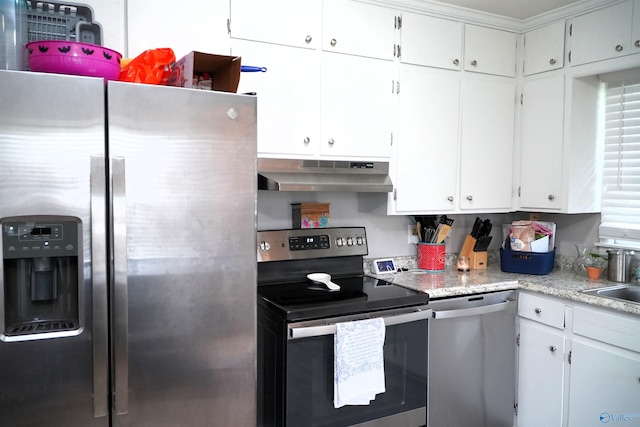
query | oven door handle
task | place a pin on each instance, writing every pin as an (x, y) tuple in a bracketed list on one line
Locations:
[(301, 331)]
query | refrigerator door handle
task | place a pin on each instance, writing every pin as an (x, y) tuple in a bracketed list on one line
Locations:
[(99, 287), (120, 286)]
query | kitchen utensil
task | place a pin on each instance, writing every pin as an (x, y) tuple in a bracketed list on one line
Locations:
[(81, 59), (482, 243), (252, 69), (419, 231), (13, 34), (476, 227), (324, 279)]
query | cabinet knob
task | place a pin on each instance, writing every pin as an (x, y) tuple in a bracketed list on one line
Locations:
[(637, 43), (333, 42), (307, 140), (553, 349), (470, 198), (551, 197), (456, 62), (538, 310), (552, 61), (331, 141), (450, 198), (308, 39), (474, 62), (619, 48)]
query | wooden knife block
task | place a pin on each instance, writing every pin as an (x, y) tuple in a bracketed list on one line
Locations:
[(477, 260)]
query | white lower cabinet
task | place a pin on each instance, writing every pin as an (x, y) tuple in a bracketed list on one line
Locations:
[(605, 369), (542, 347), (604, 385), (541, 375), (584, 374)]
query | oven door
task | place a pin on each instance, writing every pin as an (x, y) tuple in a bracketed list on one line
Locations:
[(309, 373)]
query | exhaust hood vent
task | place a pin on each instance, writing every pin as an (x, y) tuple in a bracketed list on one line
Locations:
[(323, 175)]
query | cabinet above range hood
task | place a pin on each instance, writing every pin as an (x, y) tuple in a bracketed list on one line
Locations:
[(323, 175)]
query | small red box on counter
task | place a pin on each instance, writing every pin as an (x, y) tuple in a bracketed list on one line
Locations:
[(222, 71)]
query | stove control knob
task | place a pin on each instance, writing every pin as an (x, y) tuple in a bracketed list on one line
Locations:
[(349, 241), (265, 246), (359, 241), (340, 241)]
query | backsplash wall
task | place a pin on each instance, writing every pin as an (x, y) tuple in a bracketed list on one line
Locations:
[(387, 235)]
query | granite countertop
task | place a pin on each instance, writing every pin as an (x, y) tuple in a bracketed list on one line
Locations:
[(560, 282)]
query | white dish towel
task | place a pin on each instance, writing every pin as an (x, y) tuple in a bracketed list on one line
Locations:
[(358, 362)]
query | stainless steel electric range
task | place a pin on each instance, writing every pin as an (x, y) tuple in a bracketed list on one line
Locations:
[(297, 320)]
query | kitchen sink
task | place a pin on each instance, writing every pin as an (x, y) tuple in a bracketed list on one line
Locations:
[(628, 293)]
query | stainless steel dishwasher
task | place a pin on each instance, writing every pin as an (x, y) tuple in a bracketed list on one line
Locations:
[(472, 347)]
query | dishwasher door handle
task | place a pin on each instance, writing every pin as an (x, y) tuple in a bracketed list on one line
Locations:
[(296, 332), (475, 311)]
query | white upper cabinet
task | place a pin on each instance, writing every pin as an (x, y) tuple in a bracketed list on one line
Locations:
[(359, 29), (193, 25), (544, 49), (541, 153), (287, 22), (430, 41), (356, 106), (489, 51), (635, 30), (603, 34), (288, 97), (427, 140), (486, 149)]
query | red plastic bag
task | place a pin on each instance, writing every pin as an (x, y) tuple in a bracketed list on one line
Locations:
[(152, 66)]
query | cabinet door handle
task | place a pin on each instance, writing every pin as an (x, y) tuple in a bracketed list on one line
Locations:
[(552, 61), (619, 48), (470, 198), (331, 141), (333, 42), (552, 197), (457, 61), (307, 140), (308, 39), (637, 43), (474, 62), (538, 310), (553, 349), (450, 198)]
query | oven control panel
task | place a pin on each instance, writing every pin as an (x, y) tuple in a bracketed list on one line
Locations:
[(282, 245)]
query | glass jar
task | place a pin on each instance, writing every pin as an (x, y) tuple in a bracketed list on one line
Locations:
[(583, 259)]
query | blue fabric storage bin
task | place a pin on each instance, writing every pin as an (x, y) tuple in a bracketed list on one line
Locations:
[(527, 262)]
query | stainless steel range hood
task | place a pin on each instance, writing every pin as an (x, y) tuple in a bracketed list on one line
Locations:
[(323, 175)]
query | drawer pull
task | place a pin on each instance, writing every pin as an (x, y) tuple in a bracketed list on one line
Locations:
[(553, 348), (538, 310)]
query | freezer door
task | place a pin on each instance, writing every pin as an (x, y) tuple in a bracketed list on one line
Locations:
[(52, 157), (183, 177)]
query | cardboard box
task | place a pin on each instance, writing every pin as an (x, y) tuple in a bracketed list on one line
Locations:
[(310, 215), (224, 71)]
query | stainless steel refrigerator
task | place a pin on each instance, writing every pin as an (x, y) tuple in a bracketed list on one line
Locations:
[(128, 273)]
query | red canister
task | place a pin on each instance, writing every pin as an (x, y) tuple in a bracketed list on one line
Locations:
[(431, 256)]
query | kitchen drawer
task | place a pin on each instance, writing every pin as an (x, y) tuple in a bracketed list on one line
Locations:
[(541, 309), (611, 328)]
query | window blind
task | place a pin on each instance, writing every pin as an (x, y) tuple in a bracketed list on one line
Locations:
[(620, 223)]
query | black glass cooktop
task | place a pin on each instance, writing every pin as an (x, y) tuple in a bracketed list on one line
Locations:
[(308, 300)]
